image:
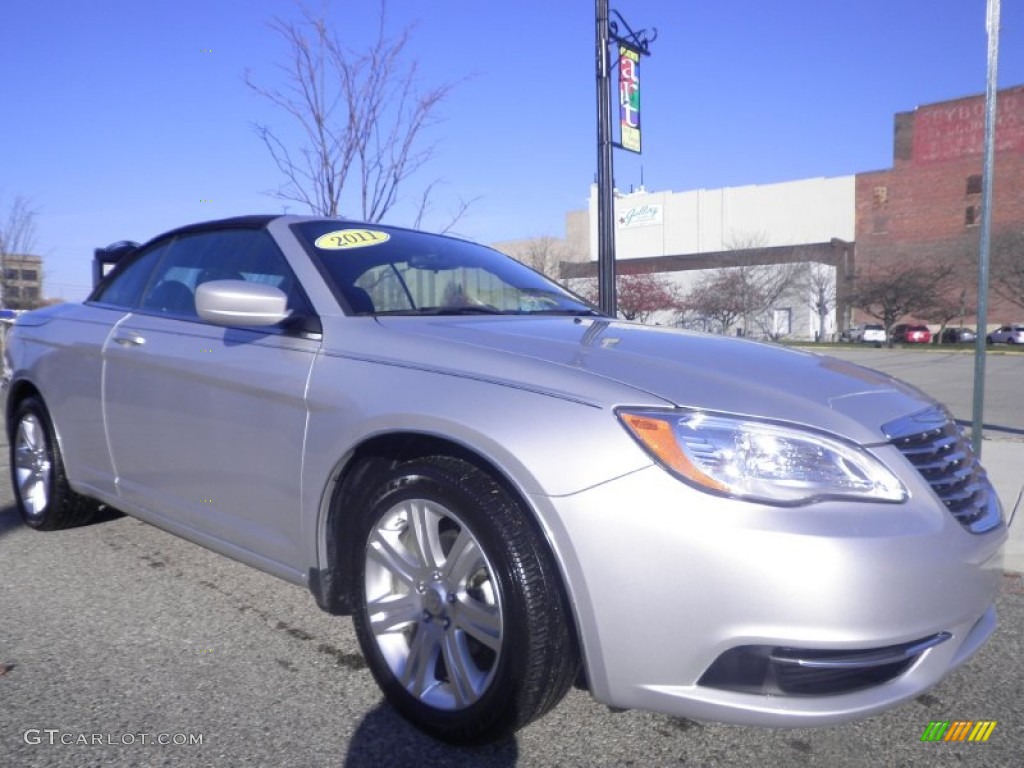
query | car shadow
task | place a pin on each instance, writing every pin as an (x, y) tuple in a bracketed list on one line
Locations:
[(384, 738), (10, 520)]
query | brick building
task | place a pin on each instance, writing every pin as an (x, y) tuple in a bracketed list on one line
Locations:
[(927, 207)]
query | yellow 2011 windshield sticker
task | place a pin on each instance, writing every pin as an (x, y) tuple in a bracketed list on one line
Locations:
[(343, 239)]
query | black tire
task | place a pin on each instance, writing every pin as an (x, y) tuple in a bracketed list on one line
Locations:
[(450, 574), (44, 498)]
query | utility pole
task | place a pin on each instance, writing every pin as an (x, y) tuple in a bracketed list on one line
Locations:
[(605, 203), (633, 44), (991, 93)]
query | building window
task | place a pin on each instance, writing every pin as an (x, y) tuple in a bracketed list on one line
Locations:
[(31, 293), (13, 292), (974, 184), (880, 195), (972, 216), (782, 322), (29, 274), (10, 274)]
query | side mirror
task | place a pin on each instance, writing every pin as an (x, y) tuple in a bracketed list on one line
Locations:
[(239, 302)]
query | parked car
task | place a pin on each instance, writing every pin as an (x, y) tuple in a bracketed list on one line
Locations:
[(504, 486), (959, 335), (867, 333), (1007, 334), (911, 334)]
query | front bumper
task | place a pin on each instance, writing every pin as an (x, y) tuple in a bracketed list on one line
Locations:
[(665, 580)]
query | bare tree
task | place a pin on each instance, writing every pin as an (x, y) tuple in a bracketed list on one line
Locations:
[(17, 238), (769, 284), (544, 254), (946, 308), (750, 292), (892, 293), (362, 116), (715, 303), (742, 280), (759, 285), (818, 282)]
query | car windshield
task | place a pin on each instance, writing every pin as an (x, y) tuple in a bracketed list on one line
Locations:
[(381, 270)]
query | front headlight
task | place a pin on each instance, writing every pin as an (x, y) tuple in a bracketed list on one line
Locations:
[(760, 461)]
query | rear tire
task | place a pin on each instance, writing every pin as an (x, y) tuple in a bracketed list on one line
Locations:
[(459, 607), (44, 498)]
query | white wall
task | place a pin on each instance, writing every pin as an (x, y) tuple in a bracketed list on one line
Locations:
[(703, 220)]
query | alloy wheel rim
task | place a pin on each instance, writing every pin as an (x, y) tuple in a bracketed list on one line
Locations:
[(433, 604), (32, 465)]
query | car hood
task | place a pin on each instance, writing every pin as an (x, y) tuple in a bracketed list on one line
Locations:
[(651, 365)]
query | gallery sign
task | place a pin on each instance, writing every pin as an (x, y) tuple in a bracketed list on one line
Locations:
[(640, 215)]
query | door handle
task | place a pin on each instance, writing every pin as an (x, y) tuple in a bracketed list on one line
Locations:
[(129, 339)]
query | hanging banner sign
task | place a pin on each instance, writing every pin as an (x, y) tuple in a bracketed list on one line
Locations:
[(629, 99)]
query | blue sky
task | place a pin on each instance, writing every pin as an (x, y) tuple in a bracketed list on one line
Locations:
[(119, 125)]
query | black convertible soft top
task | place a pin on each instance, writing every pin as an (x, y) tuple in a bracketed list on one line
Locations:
[(104, 259)]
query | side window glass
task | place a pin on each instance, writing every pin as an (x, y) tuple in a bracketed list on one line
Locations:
[(127, 285), (231, 254)]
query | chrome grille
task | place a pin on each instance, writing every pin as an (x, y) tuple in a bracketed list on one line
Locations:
[(934, 444)]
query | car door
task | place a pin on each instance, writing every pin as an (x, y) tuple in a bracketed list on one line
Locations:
[(206, 423), (74, 388)]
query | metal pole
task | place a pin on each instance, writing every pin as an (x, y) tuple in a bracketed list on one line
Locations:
[(605, 201), (991, 91)]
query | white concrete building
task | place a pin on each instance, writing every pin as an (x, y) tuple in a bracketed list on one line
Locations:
[(686, 234), (711, 220)]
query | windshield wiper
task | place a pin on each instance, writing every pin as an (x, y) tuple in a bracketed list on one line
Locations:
[(471, 310), (564, 311), (468, 310), (482, 310)]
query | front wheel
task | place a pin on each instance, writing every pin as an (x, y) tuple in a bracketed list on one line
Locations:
[(459, 607), (45, 500)]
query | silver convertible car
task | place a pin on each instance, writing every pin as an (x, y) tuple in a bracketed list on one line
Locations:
[(510, 492)]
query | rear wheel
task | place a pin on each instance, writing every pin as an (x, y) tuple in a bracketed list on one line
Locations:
[(459, 607), (45, 500)]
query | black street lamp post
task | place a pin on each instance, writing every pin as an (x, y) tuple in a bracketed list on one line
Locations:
[(608, 33)]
